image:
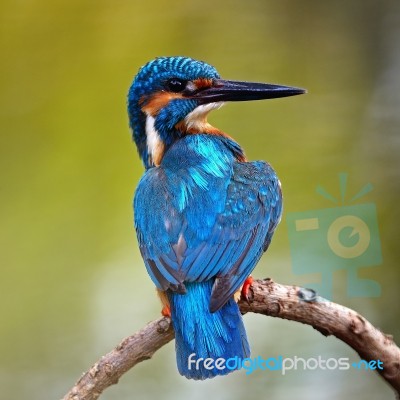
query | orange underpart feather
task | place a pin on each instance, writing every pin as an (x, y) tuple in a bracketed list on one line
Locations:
[(241, 158), (158, 153), (203, 127), (166, 310), (207, 129)]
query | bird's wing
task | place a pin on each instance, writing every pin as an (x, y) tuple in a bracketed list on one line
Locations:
[(221, 232), (252, 212)]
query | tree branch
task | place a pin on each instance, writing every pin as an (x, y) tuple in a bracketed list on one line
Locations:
[(265, 297)]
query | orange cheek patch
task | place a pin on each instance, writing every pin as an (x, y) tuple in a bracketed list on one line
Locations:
[(158, 101)]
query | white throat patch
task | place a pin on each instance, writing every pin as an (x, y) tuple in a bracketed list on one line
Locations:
[(155, 146), (197, 119)]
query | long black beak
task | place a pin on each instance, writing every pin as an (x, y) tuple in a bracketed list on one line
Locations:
[(223, 90)]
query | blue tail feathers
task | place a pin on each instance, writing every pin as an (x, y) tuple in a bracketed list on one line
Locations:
[(202, 334)]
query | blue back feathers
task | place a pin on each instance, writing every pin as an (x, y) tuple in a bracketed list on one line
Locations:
[(208, 215)]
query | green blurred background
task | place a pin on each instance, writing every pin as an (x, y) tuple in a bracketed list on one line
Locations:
[(72, 281)]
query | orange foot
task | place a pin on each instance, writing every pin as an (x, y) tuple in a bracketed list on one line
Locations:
[(166, 311), (245, 288)]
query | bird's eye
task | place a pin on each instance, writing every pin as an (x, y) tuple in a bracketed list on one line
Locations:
[(176, 85)]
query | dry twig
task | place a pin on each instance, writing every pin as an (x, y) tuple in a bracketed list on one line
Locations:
[(268, 298)]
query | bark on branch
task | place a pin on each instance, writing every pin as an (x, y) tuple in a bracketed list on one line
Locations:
[(268, 298)]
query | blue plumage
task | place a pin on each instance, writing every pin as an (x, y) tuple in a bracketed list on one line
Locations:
[(203, 214), (203, 334), (219, 207)]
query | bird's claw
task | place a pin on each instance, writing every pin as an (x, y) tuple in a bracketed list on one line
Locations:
[(246, 288), (166, 311)]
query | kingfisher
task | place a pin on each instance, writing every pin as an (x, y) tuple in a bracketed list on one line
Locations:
[(203, 214)]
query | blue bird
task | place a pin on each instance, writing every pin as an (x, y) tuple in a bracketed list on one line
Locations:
[(204, 215)]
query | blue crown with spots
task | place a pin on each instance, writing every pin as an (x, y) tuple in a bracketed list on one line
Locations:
[(152, 77)]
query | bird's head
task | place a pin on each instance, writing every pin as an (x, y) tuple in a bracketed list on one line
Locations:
[(170, 97)]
